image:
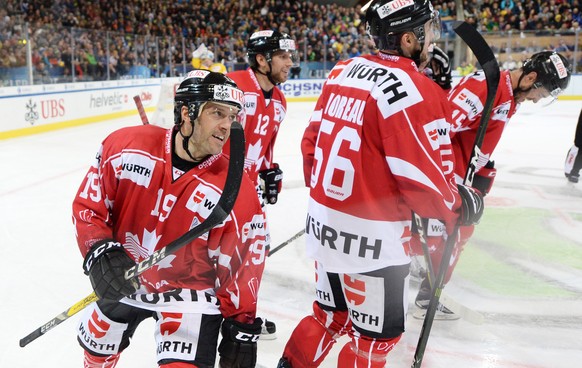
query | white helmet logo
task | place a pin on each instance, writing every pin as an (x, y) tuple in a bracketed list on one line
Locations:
[(393, 6)]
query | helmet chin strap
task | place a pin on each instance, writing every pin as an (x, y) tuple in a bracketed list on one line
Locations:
[(518, 89), (186, 138), (268, 75)]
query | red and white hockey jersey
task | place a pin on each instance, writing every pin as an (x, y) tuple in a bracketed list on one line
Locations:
[(377, 147), (133, 194), (262, 121), (468, 101)]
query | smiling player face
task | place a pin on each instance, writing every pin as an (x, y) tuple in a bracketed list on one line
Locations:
[(211, 129)]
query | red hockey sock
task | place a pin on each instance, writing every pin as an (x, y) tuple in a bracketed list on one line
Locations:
[(92, 361), (309, 344), (314, 337), (366, 353), (177, 365)]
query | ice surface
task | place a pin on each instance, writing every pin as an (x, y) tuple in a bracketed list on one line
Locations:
[(530, 297)]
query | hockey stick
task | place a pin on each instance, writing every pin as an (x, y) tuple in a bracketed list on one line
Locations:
[(425, 251), (457, 308), (218, 214), (278, 247), (486, 58), (141, 110)]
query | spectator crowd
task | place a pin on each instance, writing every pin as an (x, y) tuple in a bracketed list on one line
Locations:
[(109, 39)]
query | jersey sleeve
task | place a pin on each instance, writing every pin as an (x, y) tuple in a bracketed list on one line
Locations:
[(468, 103), (92, 204), (240, 248), (308, 142)]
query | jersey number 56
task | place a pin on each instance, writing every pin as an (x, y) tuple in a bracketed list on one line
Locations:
[(338, 173)]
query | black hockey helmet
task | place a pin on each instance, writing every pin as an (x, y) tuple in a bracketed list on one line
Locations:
[(387, 19), (553, 71), (201, 86), (268, 42)]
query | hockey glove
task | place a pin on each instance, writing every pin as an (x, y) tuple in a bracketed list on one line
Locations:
[(471, 205), (238, 348), (273, 179), (483, 180), (106, 264), (573, 164), (441, 68)]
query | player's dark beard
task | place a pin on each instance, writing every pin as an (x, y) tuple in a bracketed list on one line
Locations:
[(276, 78), (416, 56)]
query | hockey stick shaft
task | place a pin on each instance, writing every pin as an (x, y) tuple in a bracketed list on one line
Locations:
[(425, 251), (218, 214), (141, 110), (467, 314), (278, 247), (488, 62)]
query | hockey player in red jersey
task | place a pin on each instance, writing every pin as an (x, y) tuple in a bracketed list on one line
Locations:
[(573, 162), (271, 56), (541, 79), (147, 187), (376, 148)]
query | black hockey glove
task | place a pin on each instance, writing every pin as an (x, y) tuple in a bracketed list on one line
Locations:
[(573, 164), (471, 207), (273, 179), (106, 264), (483, 180), (441, 68), (238, 348)]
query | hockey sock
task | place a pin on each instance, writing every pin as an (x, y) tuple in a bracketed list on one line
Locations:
[(309, 344), (364, 352), (314, 337), (465, 233), (177, 365), (93, 361)]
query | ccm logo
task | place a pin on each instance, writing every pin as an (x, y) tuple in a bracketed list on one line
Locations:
[(246, 337)]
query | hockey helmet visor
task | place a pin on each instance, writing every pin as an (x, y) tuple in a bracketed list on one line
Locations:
[(553, 75)]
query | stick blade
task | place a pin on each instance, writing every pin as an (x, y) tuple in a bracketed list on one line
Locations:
[(481, 49)]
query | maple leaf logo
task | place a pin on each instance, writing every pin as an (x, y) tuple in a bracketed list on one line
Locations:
[(141, 250), (253, 154)]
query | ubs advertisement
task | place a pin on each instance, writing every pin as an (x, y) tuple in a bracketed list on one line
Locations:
[(73, 103)]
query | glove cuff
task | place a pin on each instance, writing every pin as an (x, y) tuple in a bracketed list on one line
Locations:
[(99, 249)]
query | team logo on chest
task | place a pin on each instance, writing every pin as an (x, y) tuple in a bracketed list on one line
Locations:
[(135, 167), (203, 200)]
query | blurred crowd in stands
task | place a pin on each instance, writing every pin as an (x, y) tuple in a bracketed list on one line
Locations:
[(109, 39)]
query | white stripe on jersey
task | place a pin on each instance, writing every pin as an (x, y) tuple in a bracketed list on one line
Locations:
[(348, 244)]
